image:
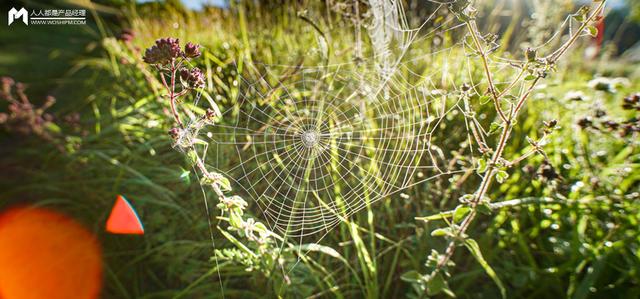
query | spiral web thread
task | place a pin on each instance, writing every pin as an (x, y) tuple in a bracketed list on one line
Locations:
[(313, 148), (309, 158)]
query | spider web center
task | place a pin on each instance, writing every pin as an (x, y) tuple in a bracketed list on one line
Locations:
[(310, 138)]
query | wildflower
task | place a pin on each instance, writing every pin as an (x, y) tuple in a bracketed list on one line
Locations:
[(6, 83), (192, 78), (163, 52), (585, 122), (25, 118), (551, 124), (174, 133), (629, 128), (528, 169), (612, 125), (126, 35), (547, 171), (210, 116), (191, 50), (631, 102), (531, 55)]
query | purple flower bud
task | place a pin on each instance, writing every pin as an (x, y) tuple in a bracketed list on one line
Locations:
[(611, 124), (547, 171), (195, 78), (174, 133), (153, 56), (585, 122), (184, 73), (191, 50), (126, 35), (210, 115), (171, 46), (5, 87), (164, 51)]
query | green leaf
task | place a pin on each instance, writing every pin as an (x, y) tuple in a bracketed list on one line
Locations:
[(412, 276), (432, 260), (484, 208), (593, 31), (436, 284), (473, 247), (236, 242), (460, 212), (466, 198), (260, 227), (501, 176), (494, 127), (322, 249), (192, 156), (440, 232), (482, 166), (185, 176), (235, 219), (53, 128), (224, 184), (434, 217)]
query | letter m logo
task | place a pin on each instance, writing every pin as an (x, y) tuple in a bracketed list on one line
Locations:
[(17, 14)]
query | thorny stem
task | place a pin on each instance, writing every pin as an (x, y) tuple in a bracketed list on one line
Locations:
[(504, 136)]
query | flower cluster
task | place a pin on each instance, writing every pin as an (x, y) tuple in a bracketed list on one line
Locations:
[(164, 52), (23, 117), (191, 50), (599, 121), (169, 59), (127, 35), (167, 50), (167, 56), (192, 78)]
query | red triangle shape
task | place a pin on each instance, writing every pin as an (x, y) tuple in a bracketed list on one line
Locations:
[(123, 219)]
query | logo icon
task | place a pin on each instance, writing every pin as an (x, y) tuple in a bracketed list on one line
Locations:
[(17, 14)]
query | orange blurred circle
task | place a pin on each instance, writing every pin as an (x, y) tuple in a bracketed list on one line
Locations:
[(44, 254)]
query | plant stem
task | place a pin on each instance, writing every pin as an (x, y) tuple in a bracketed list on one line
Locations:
[(471, 25), (506, 131), (172, 95)]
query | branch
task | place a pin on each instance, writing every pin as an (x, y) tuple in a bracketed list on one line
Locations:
[(504, 136)]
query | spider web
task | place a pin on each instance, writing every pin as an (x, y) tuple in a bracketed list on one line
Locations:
[(313, 145), (307, 157)]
